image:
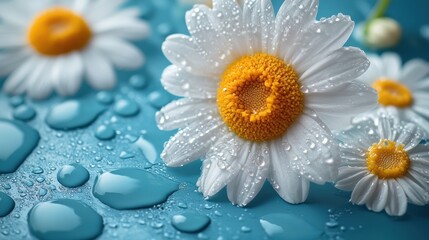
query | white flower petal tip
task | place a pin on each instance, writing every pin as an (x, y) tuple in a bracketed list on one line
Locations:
[(402, 88), (383, 164), (39, 64), (258, 92)]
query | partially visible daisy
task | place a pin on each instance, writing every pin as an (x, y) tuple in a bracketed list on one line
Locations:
[(206, 2), (404, 90), (51, 45), (260, 93), (384, 166)]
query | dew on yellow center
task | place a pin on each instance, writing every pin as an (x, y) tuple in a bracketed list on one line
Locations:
[(259, 97), (58, 31), (387, 159), (392, 93)]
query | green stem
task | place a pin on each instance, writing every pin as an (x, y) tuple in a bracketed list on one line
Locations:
[(379, 11)]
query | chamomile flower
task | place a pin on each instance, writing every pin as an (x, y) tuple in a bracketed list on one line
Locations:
[(384, 165), (53, 44), (260, 93), (401, 90)]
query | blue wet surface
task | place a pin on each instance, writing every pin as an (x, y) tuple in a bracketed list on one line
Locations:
[(57, 148)]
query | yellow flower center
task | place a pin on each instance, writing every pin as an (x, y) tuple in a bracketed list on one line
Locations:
[(259, 97), (58, 31), (392, 93), (387, 159)]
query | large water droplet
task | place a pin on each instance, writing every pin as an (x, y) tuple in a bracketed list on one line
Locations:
[(126, 108), (17, 141), (132, 188), (24, 113), (73, 114), (190, 222), (73, 175), (64, 219), (6, 204), (288, 226), (147, 149), (105, 132)]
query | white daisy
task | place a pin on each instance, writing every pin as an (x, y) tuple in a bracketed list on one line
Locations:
[(401, 90), (51, 45), (385, 166), (258, 91)]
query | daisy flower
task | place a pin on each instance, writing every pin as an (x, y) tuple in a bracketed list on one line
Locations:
[(401, 90), (52, 44), (384, 165), (260, 93)]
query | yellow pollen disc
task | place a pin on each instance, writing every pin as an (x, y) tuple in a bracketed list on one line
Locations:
[(259, 97), (58, 31), (392, 93), (387, 159)]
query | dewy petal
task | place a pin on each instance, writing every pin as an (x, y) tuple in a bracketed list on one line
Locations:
[(397, 202), (410, 135), (313, 149), (292, 17), (182, 112), (319, 39), (244, 187), (121, 53), (379, 199), (415, 193), (258, 19), (340, 66), (348, 177), (224, 161), (364, 190), (182, 83), (292, 187), (413, 71), (99, 71), (192, 142), (183, 52), (391, 65), (412, 116), (338, 105)]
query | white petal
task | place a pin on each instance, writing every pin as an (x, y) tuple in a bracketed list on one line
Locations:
[(244, 187), (39, 84), (222, 163), (319, 39), (67, 73), (292, 187), (292, 17), (10, 60), (364, 189), (12, 38), (337, 106), (391, 65), (120, 53), (374, 71), (180, 113), (415, 193), (127, 28), (348, 177), (313, 150), (181, 83), (412, 116), (386, 126), (397, 202), (12, 13), (182, 51), (379, 199), (413, 71), (17, 80), (99, 71), (410, 135), (192, 142), (258, 19), (101, 9)]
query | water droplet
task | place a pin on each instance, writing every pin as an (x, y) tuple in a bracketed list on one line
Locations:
[(288, 226), (158, 99), (6, 204), (190, 222), (126, 155), (132, 188), (126, 108), (147, 149), (245, 229), (72, 175), (105, 97), (24, 113), (37, 170), (105, 132), (331, 223), (64, 219), (73, 114), (15, 101), (138, 81), (17, 141)]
